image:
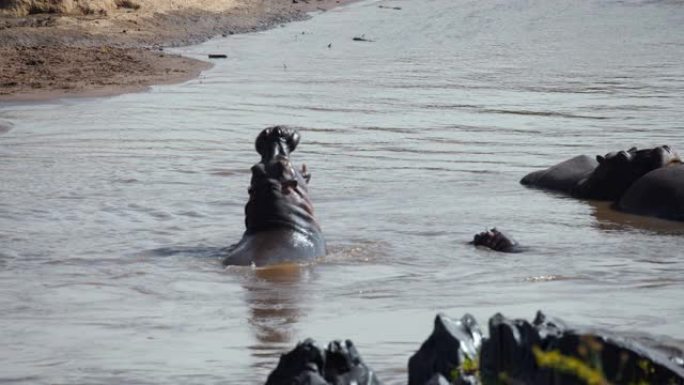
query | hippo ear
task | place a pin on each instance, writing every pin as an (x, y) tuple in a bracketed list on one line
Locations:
[(260, 144), (600, 159), (293, 141)]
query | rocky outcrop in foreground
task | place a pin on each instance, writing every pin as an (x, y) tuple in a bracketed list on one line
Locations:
[(308, 364), (542, 352)]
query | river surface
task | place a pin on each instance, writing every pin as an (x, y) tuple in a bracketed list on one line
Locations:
[(111, 209)]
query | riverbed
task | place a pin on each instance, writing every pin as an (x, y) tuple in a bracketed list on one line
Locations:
[(112, 209)]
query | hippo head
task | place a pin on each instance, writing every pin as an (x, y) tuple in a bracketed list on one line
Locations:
[(276, 141), (275, 144), (495, 240), (278, 191), (618, 170)]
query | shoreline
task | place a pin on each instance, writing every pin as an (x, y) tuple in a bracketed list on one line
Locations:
[(48, 56)]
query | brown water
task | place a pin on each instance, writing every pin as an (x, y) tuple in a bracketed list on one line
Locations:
[(111, 209)]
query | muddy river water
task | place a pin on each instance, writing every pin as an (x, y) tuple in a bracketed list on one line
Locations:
[(111, 208)]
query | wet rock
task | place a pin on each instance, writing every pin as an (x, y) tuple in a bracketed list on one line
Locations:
[(451, 351), (343, 365), (507, 353), (542, 352), (438, 379), (307, 364), (301, 366), (547, 352)]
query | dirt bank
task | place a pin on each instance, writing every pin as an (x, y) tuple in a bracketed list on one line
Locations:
[(106, 47)]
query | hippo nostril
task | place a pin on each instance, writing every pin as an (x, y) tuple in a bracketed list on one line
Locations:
[(623, 155)]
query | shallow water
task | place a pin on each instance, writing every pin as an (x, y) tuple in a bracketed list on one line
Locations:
[(111, 208)]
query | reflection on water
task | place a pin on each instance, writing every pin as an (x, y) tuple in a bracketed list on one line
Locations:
[(274, 297), (609, 219), (111, 209)]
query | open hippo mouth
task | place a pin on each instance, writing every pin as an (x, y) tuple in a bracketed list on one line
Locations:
[(276, 141), (275, 144), (278, 191)]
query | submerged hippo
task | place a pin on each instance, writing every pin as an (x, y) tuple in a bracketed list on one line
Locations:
[(497, 241), (605, 178), (279, 216)]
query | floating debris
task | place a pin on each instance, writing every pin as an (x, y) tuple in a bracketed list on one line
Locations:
[(362, 38)]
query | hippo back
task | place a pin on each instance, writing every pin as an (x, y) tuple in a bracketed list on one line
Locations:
[(659, 193), (562, 177)]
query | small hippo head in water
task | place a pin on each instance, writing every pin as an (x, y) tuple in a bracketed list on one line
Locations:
[(497, 241), (619, 170)]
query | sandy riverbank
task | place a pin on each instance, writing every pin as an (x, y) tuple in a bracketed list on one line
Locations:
[(107, 47)]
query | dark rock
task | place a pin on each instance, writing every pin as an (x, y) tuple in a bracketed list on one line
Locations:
[(301, 366), (547, 352), (438, 379), (508, 350), (343, 365), (542, 352), (307, 364), (449, 347)]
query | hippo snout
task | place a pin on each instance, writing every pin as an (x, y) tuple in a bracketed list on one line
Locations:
[(276, 140)]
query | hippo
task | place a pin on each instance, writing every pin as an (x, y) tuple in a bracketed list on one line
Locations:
[(279, 216), (617, 171), (497, 241), (660, 193), (603, 178), (562, 177)]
